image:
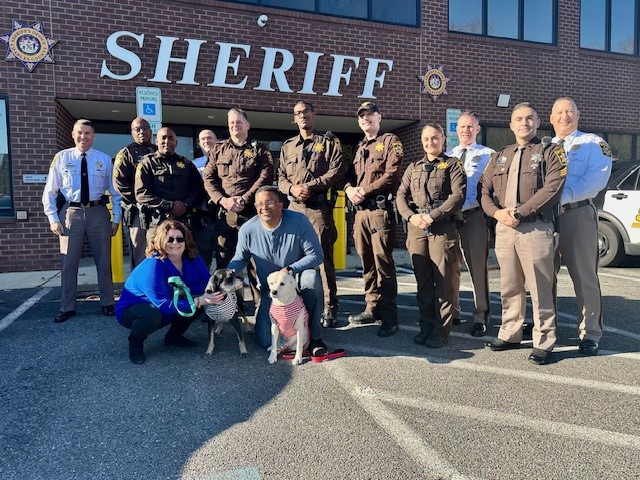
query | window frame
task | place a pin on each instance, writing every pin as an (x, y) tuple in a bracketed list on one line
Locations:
[(316, 11), (607, 31), (521, 24), (10, 211)]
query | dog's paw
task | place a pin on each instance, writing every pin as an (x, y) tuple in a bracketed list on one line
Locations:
[(273, 357), (207, 354), (245, 355), (296, 361)]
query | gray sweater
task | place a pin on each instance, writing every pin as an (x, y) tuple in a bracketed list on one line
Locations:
[(293, 244)]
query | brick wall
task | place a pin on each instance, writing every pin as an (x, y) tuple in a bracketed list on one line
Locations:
[(604, 85)]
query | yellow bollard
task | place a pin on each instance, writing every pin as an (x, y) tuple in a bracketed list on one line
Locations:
[(117, 260), (340, 219)]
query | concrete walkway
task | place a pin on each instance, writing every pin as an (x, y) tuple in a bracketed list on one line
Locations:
[(87, 272)]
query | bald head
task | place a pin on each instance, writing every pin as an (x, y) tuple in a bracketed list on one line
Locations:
[(167, 141), (206, 141), (141, 131)]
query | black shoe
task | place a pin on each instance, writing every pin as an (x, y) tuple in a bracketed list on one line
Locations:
[(317, 348), (456, 321), (539, 357), (179, 341), (527, 330), (136, 352), (478, 330), (420, 338), (329, 319), (588, 347), (363, 318), (64, 316), (435, 341), (499, 345), (388, 329), (108, 310)]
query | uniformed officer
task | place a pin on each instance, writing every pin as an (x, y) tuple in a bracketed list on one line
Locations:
[(474, 234), (204, 225), (521, 188), (79, 177), (370, 185), (588, 172), (237, 167), (124, 171), (311, 167), (167, 185), (430, 195)]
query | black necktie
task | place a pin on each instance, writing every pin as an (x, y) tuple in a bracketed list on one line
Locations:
[(463, 156), (84, 181)]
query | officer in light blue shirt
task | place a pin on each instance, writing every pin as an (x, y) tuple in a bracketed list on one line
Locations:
[(588, 159), (82, 175), (474, 235)]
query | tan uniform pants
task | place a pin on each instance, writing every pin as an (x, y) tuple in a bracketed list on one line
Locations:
[(526, 254)]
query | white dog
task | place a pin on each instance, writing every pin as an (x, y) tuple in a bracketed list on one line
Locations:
[(289, 317)]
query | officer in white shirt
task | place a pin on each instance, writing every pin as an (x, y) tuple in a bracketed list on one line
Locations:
[(79, 178), (474, 235), (589, 167), (204, 230)]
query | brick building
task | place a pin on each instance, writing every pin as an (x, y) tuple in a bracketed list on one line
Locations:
[(207, 56)]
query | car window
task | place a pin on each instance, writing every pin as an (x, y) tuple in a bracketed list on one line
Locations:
[(631, 181)]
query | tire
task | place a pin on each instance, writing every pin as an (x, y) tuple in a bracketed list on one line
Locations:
[(610, 248)]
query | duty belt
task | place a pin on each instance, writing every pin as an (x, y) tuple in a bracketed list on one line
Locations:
[(470, 211), (442, 219), (571, 206), (534, 217), (314, 201), (380, 202), (92, 203)]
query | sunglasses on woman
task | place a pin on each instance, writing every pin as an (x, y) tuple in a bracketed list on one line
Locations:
[(175, 240)]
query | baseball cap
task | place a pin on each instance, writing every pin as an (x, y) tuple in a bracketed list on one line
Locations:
[(370, 106)]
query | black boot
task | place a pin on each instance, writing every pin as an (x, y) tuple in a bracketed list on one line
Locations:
[(136, 351)]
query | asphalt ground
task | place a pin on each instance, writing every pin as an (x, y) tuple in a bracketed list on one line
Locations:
[(72, 406)]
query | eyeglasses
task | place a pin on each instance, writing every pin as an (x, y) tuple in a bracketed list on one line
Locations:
[(302, 113), (175, 240), (140, 129), (268, 204)]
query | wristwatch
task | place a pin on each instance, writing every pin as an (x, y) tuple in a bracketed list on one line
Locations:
[(517, 215), (290, 270)]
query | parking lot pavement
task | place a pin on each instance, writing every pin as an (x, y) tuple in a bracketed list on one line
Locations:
[(74, 407)]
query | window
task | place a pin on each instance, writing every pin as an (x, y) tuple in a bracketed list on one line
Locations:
[(6, 199), (610, 25), (397, 12), (531, 20)]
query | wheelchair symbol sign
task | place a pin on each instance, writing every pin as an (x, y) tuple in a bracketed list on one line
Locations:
[(149, 108)]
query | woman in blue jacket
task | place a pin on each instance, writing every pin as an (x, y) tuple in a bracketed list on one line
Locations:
[(147, 300)]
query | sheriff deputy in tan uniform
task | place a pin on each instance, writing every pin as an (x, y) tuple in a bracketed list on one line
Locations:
[(311, 167), (521, 188), (124, 170), (167, 185), (237, 168), (370, 185), (430, 195)]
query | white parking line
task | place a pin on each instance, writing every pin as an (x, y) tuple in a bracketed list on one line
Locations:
[(13, 316), (461, 364), (540, 425), (405, 437)]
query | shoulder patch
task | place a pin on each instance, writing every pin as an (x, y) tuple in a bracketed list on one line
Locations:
[(118, 160), (54, 161), (562, 156), (606, 149), (397, 148), (139, 170)]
